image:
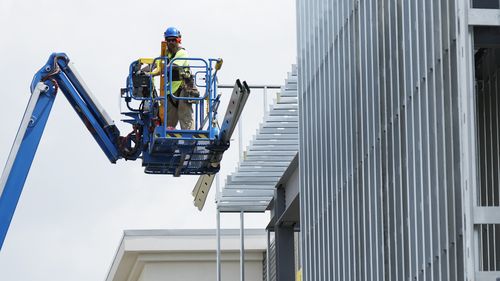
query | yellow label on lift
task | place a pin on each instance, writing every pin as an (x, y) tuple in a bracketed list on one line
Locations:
[(195, 136), (174, 135)]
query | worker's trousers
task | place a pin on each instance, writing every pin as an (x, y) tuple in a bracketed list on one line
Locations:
[(181, 113), (178, 111)]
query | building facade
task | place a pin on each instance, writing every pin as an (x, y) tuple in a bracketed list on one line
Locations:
[(398, 139), (187, 255)]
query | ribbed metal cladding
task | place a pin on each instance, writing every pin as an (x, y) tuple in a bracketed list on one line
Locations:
[(379, 140)]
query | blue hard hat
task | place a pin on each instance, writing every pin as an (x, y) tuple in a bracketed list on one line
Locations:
[(172, 32)]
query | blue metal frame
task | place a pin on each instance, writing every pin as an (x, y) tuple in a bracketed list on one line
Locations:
[(210, 89)]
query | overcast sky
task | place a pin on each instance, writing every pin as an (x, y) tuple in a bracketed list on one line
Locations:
[(75, 204)]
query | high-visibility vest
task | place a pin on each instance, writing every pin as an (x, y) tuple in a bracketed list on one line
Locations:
[(181, 53)]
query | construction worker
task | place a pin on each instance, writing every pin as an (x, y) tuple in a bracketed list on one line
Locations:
[(178, 111)]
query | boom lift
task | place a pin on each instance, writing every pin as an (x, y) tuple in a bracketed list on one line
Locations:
[(163, 150)]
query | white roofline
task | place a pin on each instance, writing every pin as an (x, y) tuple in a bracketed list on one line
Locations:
[(140, 246)]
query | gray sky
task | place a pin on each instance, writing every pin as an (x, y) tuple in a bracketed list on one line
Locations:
[(75, 203)]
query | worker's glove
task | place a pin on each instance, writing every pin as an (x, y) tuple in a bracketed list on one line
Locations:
[(185, 75)]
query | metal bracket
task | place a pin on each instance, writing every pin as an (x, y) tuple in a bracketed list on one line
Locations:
[(201, 190)]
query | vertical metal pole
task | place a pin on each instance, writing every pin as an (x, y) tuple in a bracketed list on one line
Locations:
[(240, 138), (268, 263), (218, 246), (265, 100), (217, 187), (217, 232), (242, 246)]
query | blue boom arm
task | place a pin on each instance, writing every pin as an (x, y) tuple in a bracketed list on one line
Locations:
[(63, 75), (57, 73)]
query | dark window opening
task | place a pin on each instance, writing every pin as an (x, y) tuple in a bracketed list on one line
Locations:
[(486, 4), (487, 80)]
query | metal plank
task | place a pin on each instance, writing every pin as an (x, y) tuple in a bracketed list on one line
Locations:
[(265, 142), (260, 168), (279, 125), (287, 100), (487, 275), (235, 186), (271, 153), (266, 193), (486, 215), (263, 163), (293, 148), (484, 17), (283, 118), (275, 136)]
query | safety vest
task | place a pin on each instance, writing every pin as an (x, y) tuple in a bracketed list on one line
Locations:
[(181, 53)]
